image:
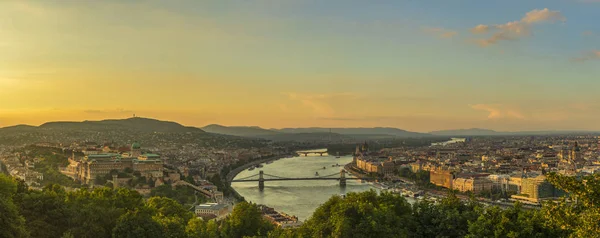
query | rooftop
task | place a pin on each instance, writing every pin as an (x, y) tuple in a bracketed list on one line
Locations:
[(211, 206)]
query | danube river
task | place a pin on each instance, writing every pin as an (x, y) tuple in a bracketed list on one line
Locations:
[(299, 198)]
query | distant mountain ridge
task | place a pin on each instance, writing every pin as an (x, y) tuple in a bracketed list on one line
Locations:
[(357, 131), (316, 133), (130, 124), (465, 132), (245, 131), (487, 132)]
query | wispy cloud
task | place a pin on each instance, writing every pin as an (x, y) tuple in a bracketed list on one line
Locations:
[(516, 29), (590, 55), (320, 103), (587, 33), (498, 111), (480, 29), (440, 32)]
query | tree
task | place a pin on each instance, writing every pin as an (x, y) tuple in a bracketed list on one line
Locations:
[(167, 207), (361, 215), (245, 220), (97, 210), (196, 228), (12, 224), (212, 229), (513, 222), (128, 170), (580, 214), (173, 227), (46, 212), (448, 218), (137, 223)]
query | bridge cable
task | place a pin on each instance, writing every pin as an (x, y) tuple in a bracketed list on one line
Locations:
[(248, 177)]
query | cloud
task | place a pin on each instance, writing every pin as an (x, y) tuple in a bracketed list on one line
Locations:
[(516, 29), (498, 111), (320, 103), (480, 29), (440, 32), (587, 33), (590, 55), (97, 111), (543, 15)]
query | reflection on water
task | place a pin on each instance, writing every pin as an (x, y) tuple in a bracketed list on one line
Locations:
[(299, 198)]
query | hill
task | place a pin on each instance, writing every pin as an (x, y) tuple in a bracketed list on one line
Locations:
[(465, 132), (18, 128), (487, 132), (308, 137), (395, 132), (244, 131), (137, 124)]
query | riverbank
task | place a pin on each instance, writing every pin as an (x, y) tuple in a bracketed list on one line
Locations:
[(237, 170), (354, 171)]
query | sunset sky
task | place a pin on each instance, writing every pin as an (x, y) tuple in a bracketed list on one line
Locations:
[(416, 65)]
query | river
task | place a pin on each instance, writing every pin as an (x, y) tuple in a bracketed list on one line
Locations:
[(451, 141), (299, 198)]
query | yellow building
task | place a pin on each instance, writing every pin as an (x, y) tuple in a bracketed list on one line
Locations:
[(441, 177), (475, 185)]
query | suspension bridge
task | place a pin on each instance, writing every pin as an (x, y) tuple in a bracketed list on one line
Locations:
[(306, 153), (262, 177)]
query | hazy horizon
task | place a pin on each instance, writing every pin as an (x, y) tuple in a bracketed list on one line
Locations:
[(415, 65), (280, 128)]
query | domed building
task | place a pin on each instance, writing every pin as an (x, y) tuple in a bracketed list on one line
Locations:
[(136, 149)]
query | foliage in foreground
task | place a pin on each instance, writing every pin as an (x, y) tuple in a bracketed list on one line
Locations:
[(103, 212)]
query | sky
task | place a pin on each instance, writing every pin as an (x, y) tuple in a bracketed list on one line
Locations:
[(417, 65)]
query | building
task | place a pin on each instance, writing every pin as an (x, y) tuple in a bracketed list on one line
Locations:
[(211, 210), (475, 185), (92, 166), (372, 164), (537, 189), (279, 218), (441, 177)]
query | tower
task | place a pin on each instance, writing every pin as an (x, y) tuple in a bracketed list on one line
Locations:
[(261, 181), (115, 181), (342, 178)]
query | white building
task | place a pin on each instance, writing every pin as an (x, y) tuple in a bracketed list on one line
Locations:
[(212, 210)]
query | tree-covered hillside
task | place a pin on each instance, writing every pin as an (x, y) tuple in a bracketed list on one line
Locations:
[(104, 212)]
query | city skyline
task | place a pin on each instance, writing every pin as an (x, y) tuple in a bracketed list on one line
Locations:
[(418, 66)]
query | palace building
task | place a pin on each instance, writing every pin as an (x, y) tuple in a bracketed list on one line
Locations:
[(94, 165)]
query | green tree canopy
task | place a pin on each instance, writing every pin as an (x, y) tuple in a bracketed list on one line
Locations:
[(361, 215), (138, 223), (245, 220), (12, 224)]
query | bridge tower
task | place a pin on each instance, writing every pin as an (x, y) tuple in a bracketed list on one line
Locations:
[(261, 181), (343, 178)]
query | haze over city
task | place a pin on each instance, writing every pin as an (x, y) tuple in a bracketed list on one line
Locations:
[(415, 65)]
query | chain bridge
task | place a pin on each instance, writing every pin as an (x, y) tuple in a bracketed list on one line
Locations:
[(262, 177)]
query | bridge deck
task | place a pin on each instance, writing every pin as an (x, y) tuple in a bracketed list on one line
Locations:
[(291, 179)]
